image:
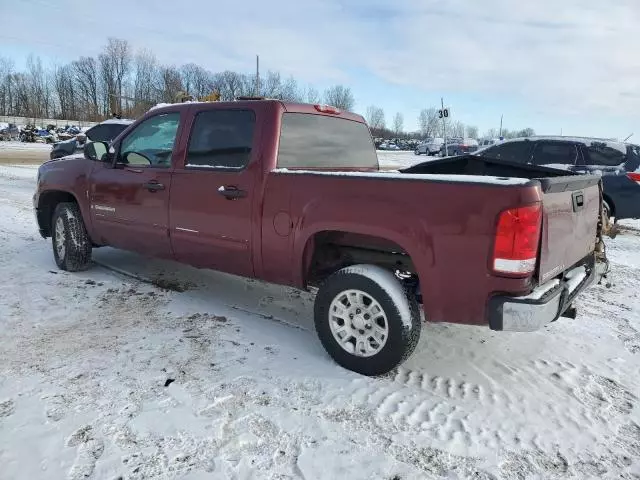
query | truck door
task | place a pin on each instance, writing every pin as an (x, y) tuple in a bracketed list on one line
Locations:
[(130, 197), (210, 213)]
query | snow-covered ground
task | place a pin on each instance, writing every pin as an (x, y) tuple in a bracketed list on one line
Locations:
[(106, 376), (399, 159), (13, 146)]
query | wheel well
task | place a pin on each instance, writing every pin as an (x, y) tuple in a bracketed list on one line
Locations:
[(329, 251), (46, 206), (607, 199)]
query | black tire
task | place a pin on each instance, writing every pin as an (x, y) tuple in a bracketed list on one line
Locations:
[(75, 252), (403, 333)]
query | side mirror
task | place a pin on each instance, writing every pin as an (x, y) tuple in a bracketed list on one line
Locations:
[(96, 151)]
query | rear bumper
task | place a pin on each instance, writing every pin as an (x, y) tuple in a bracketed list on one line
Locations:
[(544, 305)]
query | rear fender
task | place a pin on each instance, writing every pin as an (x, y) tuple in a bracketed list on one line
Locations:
[(411, 236)]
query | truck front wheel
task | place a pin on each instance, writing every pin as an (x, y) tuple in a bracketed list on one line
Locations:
[(366, 320), (71, 243)]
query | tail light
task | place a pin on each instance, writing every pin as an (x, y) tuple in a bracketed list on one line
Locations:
[(327, 109), (634, 176), (517, 239)]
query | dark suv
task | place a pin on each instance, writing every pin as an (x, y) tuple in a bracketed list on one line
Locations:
[(617, 162), (103, 132)]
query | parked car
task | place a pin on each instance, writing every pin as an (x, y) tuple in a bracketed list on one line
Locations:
[(487, 142), (388, 146), (103, 132), (617, 162), (429, 147), (254, 188), (9, 131), (460, 146)]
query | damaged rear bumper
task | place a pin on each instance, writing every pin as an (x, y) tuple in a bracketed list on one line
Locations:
[(542, 306)]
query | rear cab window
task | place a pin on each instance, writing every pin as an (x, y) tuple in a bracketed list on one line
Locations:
[(309, 141), (517, 152), (221, 139), (555, 153)]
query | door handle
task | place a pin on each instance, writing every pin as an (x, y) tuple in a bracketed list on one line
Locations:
[(153, 186), (231, 193)]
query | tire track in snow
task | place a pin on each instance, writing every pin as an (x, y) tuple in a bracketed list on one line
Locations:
[(548, 396)]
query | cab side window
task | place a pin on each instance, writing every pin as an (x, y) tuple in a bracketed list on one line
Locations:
[(150, 144), (221, 139)]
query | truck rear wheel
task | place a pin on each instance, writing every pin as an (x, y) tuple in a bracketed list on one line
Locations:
[(366, 320), (71, 243)]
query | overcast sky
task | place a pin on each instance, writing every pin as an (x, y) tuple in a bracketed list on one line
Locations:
[(548, 64)]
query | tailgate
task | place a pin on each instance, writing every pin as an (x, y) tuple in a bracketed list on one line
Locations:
[(571, 208)]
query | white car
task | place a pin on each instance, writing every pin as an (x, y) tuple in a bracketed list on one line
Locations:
[(429, 147), (388, 146)]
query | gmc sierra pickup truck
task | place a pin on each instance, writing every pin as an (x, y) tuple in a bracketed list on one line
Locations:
[(292, 194)]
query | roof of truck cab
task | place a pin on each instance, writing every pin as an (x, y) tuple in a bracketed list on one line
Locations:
[(292, 107)]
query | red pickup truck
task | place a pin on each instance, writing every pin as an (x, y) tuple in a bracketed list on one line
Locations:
[(292, 194)]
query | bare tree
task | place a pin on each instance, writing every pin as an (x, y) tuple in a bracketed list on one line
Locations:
[(526, 132), (270, 85), (145, 90), (290, 92), (491, 133), (20, 95), (456, 129), (6, 97), (115, 63), (428, 121), (472, 131), (398, 123), (231, 85), (170, 83), (339, 96), (196, 80), (312, 95), (375, 117), (64, 85), (86, 78), (39, 100)]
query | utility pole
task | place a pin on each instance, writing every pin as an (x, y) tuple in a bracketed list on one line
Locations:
[(444, 129), (500, 135), (257, 75)]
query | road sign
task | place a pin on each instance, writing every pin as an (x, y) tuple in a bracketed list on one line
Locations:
[(443, 113)]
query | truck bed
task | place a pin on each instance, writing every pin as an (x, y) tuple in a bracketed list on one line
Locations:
[(571, 205)]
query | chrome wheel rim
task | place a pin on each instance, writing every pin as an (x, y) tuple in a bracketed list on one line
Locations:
[(358, 323), (60, 234)]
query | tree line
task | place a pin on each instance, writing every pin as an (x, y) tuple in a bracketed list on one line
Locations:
[(121, 80), (432, 126), (127, 82)]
